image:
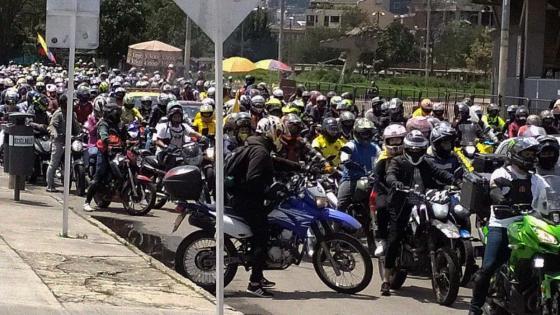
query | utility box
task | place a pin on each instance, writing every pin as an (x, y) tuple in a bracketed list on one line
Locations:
[(19, 155)]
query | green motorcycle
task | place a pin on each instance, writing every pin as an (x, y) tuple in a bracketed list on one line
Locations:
[(530, 282)]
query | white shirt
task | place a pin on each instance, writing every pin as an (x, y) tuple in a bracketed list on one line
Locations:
[(536, 184), (165, 131)]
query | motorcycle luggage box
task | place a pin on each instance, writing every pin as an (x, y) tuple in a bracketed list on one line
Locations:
[(475, 194), (183, 182), (487, 163)]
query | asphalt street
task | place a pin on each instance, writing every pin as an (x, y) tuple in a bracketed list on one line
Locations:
[(299, 290)]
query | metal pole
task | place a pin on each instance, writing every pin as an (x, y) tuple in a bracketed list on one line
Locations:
[(187, 56), (242, 38), (69, 115), (281, 30), (428, 18), (219, 47), (504, 50)]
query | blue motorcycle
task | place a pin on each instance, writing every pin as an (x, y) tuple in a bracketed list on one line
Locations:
[(300, 224)]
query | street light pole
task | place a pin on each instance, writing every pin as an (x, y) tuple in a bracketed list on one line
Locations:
[(504, 50), (281, 31), (187, 56), (428, 17)]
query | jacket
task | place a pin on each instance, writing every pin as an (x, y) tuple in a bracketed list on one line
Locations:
[(401, 170), (329, 149), (57, 127)]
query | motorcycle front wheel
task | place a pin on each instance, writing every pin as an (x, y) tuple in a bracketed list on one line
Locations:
[(142, 201), (195, 259), (349, 257), (465, 256), (446, 277)]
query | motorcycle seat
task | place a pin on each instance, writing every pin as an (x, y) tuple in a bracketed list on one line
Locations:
[(152, 160), (227, 211), (144, 152)]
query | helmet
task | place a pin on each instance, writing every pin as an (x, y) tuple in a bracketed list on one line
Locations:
[(347, 96), (278, 93), (249, 79), (242, 119), (128, 102), (419, 123), (523, 152), (330, 128), (146, 102), (51, 88), (163, 99), (306, 94), (99, 104), (344, 105), (396, 102), (330, 94), (40, 102), (212, 92), (549, 152), (293, 125), (427, 105), (396, 109), (364, 130), (493, 109), (245, 101), (533, 120), (120, 92), (166, 88), (112, 113), (477, 109), (103, 87), (376, 103), (439, 109), (173, 107), (257, 103), (415, 147), (206, 111), (209, 101), (443, 137), (274, 105), (322, 99), (547, 118), (335, 100), (40, 87), (271, 128), (393, 137), (462, 110), (347, 120), (521, 114), (511, 109)]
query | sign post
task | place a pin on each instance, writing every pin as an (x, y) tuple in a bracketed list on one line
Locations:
[(218, 19), (60, 15)]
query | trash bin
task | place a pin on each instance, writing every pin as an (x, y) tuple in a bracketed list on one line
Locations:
[(21, 157)]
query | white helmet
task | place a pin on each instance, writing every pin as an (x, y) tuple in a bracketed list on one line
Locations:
[(278, 93), (211, 91), (271, 127), (393, 139), (209, 101)]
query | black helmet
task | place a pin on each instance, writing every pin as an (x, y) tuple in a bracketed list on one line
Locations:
[(523, 152), (547, 118), (442, 137), (511, 109), (40, 102), (331, 128), (293, 124), (396, 109), (330, 94), (415, 147), (112, 113), (242, 119), (249, 79), (521, 114), (347, 120), (364, 130), (549, 152), (462, 110)]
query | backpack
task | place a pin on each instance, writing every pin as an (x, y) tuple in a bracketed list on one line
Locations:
[(235, 166)]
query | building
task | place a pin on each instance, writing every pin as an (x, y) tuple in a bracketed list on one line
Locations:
[(329, 13)]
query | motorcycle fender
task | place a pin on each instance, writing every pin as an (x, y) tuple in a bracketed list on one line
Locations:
[(143, 179), (546, 284), (447, 228), (345, 220)]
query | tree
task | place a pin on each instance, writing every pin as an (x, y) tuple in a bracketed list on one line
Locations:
[(308, 49), (452, 44), (353, 17), (253, 37), (396, 45), (122, 24), (480, 56)]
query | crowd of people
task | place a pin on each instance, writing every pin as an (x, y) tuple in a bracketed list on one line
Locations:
[(270, 130)]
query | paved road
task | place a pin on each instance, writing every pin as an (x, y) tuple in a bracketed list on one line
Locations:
[(298, 291)]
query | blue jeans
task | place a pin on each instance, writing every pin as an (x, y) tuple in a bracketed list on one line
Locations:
[(101, 170), (496, 253)]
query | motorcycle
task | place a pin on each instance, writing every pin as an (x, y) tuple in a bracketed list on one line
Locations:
[(299, 223), (136, 192), (78, 170), (529, 283), (42, 148), (429, 245)]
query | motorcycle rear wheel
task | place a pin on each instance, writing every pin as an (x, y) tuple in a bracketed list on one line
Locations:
[(340, 246), (465, 256), (141, 204), (80, 179), (447, 276), (198, 264)]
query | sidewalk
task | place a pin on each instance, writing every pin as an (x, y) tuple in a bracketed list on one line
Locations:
[(91, 272)]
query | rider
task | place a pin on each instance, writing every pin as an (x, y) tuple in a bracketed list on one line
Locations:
[(425, 109), (174, 132), (294, 147), (358, 157), (547, 163), (493, 119), (510, 118), (38, 108), (130, 112), (547, 119), (241, 131), (319, 111), (206, 124), (330, 141), (347, 120), (255, 171), (509, 185), (396, 112), (257, 110), (521, 115), (439, 111), (83, 107), (159, 110), (274, 107), (146, 106), (393, 137), (441, 153), (109, 134)]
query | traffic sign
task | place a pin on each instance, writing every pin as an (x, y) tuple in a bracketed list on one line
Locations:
[(59, 16)]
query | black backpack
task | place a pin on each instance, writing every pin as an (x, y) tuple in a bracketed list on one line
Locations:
[(235, 166)]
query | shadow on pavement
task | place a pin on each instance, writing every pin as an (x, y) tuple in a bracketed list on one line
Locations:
[(426, 295), (305, 295)]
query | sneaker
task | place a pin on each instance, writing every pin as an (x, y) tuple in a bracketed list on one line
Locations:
[(265, 283), (88, 208), (379, 248), (53, 190), (386, 289), (258, 291)]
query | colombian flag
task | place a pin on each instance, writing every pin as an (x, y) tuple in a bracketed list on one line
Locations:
[(43, 49)]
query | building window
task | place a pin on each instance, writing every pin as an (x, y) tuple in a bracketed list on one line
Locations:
[(310, 20), (335, 19), (326, 21)]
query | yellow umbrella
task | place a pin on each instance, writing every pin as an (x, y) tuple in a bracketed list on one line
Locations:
[(238, 65)]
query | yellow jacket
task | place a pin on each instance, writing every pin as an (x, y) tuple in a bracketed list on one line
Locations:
[(128, 115), (465, 161), (200, 125), (419, 113), (329, 149)]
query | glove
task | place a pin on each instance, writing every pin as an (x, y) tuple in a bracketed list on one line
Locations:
[(397, 185), (328, 169)]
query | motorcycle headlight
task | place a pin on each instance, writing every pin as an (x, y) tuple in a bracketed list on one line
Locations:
[(470, 150), (210, 153), (538, 262), (545, 237), (321, 202), (461, 211), (77, 146), (133, 134), (440, 211)]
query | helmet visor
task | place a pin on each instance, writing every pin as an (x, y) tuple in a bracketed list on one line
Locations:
[(394, 141)]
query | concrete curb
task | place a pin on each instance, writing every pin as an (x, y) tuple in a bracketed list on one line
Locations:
[(153, 262)]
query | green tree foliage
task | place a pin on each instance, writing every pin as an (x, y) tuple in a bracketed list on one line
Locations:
[(353, 17), (452, 44), (396, 45), (308, 49), (20, 20), (480, 56), (122, 23), (252, 38)]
